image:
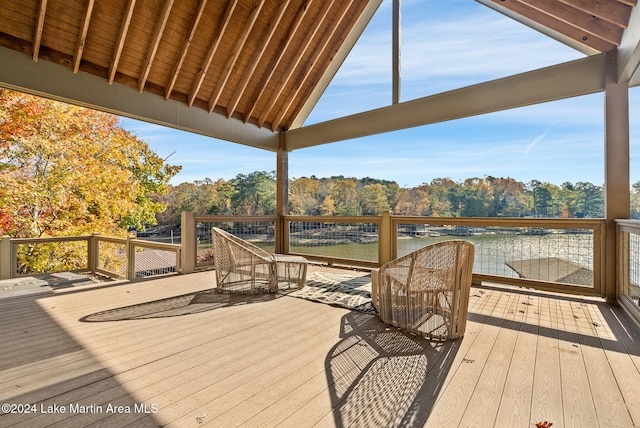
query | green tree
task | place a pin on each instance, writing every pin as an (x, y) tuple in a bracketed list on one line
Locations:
[(255, 194), (478, 198), (541, 197), (589, 200)]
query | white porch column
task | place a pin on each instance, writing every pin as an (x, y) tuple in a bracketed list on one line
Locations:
[(616, 171)]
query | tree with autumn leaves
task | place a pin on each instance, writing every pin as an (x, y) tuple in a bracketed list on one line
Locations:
[(68, 170)]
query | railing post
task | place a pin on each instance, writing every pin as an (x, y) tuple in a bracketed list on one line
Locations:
[(131, 259), (386, 236), (5, 257), (188, 242), (92, 253)]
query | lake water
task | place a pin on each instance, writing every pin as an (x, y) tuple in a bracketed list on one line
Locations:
[(492, 251)]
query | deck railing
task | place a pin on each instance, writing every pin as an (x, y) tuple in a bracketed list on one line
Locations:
[(564, 255), (113, 257), (628, 257)]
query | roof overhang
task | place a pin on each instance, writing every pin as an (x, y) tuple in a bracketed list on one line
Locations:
[(50, 80), (246, 70)]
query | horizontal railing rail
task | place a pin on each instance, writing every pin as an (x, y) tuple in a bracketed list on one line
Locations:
[(563, 255), (148, 258), (351, 240), (109, 256), (14, 245), (261, 230)]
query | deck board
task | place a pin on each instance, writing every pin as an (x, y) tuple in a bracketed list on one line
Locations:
[(526, 357)]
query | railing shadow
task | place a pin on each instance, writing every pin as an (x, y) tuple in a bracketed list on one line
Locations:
[(185, 304), (380, 376)]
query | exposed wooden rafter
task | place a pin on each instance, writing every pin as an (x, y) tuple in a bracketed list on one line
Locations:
[(82, 38), (596, 26), (122, 36), (37, 37), (155, 41), (242, 86), (309, 68), (614, 11), (581, 19), (204, 68), (185, 48), (258, 64), (284, 77), (224, 77), (355, 29), (293, 29), (544, 20)]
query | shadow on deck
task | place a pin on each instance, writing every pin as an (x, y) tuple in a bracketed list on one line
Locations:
[(180, 355)]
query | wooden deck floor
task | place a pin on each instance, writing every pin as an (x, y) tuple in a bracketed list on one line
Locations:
[(286, 362)]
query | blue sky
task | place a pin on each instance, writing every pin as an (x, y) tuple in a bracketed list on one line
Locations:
[(445, 45)]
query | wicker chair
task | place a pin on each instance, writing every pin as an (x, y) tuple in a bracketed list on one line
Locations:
[(242, 267), (427, 291)]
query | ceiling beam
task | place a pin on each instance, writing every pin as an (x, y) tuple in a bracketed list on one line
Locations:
[(629, 51), (217, 37), (82, 37), (615, 11), (264, 42), (37, 36), (575, 78), (122, 36), (231, 62), (310, 64), (547, 23), (302, 49), (155, 41), (596, 25), (58, 82), (338, 60), (185, 49), (293, 29)]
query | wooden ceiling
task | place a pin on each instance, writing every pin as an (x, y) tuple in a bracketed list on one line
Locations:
[(592, 26), (263, 62), (254, 60)]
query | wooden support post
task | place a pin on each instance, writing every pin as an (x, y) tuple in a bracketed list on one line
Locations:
[(396, 52), (131, 259), (93, 253), (188, 242), (617, 177), (386, 238), (282, 195), (6, 258)]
